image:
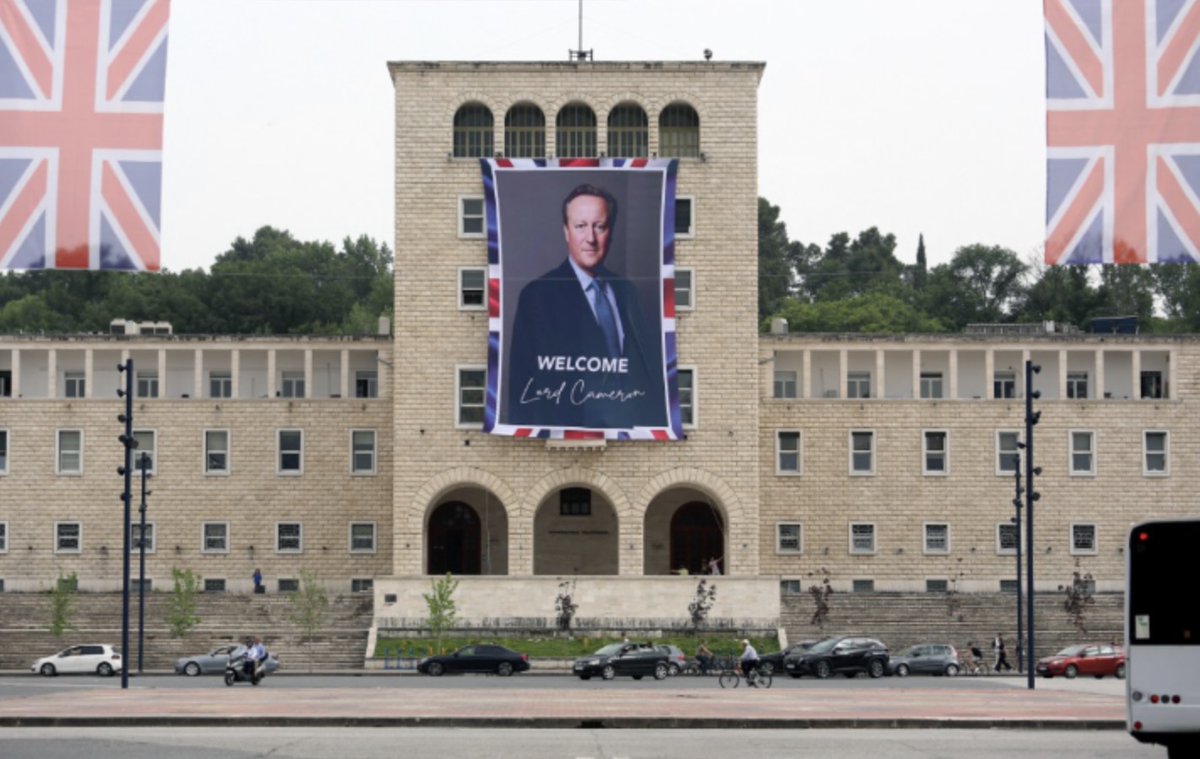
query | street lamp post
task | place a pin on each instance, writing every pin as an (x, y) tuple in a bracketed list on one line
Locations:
[(1016, 520), (144, 465)]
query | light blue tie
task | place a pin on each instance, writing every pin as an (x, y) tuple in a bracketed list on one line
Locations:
[(606, 319)]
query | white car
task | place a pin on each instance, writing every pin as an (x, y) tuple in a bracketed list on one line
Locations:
[(102, 660)]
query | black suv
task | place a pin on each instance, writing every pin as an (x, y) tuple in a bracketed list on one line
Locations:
[(848, 655), (635, 659)]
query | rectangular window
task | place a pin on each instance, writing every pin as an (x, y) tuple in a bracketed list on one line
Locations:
[(575, 502), (1083, 458), (685, 227), (70, 452), (6, 383), (147, 384), (1004, 385), (68, 537), (471, 217), (862, 452), (366, 384), (862, 537), (472, 289), (1154, 454), (685, 298), (74, 385), (785, 384), (937, 586), (288, 537), (1083, 538), (362, 451), (1006, 539), (1006, 452), (934, 456), (862, 586), (362, 585), (931, 384), (937, 537), (787, 452), (214, 537), (135, 534), (1077, 385), (291, 452), (791, 587), (289, 585), (216, 451), (858, 385), (687, 396), (3, 451), (788, 537), (1152, 385), (1008, 586), (472, 394), (214, 585), (220, 385), (135, 586), (147, 450), (3, 537), (362, 537), (292, 385)]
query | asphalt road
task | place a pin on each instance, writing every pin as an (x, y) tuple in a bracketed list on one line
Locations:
[(466, 743)]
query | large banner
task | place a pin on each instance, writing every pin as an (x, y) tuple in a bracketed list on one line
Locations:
[(1122, 131), (81, 122), (581, 298)]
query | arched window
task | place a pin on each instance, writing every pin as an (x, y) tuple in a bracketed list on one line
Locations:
[(575, 133), (525, 132), (473, 128), (628, 132), (679, 131)]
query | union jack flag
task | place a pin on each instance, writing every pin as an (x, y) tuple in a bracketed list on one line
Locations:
[(81, 114), (1122, 131)]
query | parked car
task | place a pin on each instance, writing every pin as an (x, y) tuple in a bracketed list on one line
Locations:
[(1096, 659), (100, 659), (481, 658), (774, 662), (848, 655), (213, 662), (634, 659), (676, 659), (925, 659)]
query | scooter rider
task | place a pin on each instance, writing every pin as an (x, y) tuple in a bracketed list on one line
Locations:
[(256, 654)]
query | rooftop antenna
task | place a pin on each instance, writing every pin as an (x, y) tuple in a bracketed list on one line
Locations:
[(579, 54)]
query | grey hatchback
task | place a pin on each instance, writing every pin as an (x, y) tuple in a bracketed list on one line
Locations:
[(925, 659)]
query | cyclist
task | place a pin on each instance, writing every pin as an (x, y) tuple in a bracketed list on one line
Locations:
[(749, 661)]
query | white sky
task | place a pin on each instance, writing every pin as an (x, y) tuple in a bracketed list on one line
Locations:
[(910, 115)]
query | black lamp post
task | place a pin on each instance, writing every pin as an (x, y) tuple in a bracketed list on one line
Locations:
[(144, 463)]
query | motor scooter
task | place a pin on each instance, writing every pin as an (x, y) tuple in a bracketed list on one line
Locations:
[(235, 670)]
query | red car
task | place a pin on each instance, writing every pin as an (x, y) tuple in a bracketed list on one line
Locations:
[(1095, 659)]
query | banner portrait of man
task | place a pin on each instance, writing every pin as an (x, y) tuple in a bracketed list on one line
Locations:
[(581, 282)]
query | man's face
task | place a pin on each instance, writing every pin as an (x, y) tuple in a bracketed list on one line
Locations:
[(587, 231)]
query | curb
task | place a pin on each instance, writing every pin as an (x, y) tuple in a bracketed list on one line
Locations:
[(567, 723)]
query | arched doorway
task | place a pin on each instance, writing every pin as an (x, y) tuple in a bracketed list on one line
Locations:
[(454, 540), (697, 535)]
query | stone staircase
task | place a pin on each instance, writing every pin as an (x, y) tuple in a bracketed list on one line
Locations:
[(902, 619), (341, 643)]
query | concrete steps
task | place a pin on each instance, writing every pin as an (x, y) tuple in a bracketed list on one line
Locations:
[(341, 643)]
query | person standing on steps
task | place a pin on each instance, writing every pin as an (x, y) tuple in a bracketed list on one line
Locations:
[(257, 577)]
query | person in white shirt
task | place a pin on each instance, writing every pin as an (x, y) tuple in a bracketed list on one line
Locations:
[(749, 660)]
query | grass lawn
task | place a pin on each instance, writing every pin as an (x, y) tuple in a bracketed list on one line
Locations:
[(566, 648)]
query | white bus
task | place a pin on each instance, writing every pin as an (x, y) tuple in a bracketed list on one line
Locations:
[(1162, 635)]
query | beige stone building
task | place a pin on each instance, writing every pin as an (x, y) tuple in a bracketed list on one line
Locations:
[(885, 462)]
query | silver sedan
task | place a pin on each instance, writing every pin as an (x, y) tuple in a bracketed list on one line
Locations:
[(213, 662)]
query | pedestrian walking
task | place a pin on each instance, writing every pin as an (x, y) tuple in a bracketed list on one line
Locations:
[(1001, 654)]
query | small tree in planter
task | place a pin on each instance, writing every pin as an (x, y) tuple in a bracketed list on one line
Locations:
[(443, 611), (62, 604), (181, 609), (310, 606), (820, 594), (702, 603), (565, 605)]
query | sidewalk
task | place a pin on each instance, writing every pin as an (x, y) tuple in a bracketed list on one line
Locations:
[(614, 705)]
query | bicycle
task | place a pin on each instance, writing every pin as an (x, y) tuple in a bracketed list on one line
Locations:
[(758, 678)]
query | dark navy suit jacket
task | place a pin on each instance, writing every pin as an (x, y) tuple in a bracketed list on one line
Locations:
[(554, 318)]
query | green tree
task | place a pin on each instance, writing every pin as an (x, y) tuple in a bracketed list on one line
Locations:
[(62, 604), (1061, 294), (774, 271), (1128, 291), (309, 604), (1179, 288), (443, 611), (848, 267), (874, 312), (920, 272), (181, 608), (980, 284)]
